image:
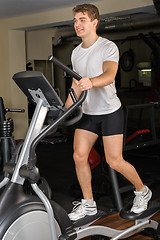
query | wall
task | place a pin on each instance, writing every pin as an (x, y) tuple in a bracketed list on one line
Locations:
[(12, 61), (13, 49), (39, 43)]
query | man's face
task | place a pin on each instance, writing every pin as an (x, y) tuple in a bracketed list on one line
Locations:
[(83, 24)]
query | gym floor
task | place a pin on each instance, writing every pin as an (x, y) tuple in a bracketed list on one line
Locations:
[(56, 165)]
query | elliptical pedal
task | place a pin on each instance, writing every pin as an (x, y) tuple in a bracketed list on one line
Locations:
[(88, 220), (153, 207)]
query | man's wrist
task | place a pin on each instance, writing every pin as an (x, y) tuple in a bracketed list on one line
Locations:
[(92, 81)]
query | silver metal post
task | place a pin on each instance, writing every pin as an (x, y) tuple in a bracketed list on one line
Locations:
[(4, 182), (33, 131), (49, 210)]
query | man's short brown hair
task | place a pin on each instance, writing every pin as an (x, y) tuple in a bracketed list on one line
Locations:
[(91, 9)]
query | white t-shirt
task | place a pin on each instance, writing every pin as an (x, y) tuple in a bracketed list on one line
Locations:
[(89, 62)]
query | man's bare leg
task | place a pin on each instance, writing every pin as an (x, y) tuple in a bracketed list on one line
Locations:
[(113, 152), (83, 143)]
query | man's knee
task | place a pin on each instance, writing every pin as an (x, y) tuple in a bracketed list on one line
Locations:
[(79, 159), (115, 162)]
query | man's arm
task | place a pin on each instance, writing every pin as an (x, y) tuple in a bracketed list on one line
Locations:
[(106, 78)]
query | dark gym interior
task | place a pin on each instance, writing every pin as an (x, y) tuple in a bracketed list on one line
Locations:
[(56, 164)]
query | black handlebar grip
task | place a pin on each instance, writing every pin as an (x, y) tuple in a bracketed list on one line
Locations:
[(73, 95), (65, 68)]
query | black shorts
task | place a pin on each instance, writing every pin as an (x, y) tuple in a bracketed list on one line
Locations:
[(103, 125)]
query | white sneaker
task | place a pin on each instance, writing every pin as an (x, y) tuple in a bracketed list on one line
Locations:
[(81, 209), (141, 200)]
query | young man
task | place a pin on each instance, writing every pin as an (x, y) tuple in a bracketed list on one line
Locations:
[(96, 60)]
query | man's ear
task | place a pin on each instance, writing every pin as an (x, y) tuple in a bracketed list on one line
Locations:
[(95, 22)]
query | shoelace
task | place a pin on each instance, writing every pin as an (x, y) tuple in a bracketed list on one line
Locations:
[(77, 206), (138, 201)]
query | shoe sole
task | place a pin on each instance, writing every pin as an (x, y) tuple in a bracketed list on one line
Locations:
[(89, 214)]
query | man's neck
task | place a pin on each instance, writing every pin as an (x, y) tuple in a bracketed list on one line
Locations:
[(88, 42)]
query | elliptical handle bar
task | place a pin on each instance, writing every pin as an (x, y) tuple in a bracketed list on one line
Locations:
[(4, 110), (65, 68), (60, 120), (15, 110)]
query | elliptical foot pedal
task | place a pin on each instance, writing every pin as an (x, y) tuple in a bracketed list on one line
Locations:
[(153, 207), (87, 220)]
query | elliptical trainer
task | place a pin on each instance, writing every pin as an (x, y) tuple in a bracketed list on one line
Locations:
[(26, 216)]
